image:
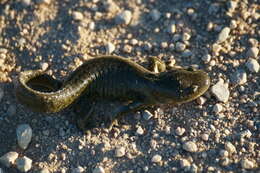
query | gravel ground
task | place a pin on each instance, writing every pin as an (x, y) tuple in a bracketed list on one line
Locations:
[(219, 132)]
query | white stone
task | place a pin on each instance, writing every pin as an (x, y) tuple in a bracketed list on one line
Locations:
[(184, 163), (9, 158), (23, 164), (230, 147), (220, 91), (223, 35), (205, 136), (172, 28), (79, 169), (77, 15), (120, 152), (110, 47), (124, 17), (44, 66), (24, 135), (217, 108), (252, 65), (147, 115), (253, 52), (190, 146), (140, 131), (99, 169), (180, 131), (156, 158), (247, 164), (180, 47)]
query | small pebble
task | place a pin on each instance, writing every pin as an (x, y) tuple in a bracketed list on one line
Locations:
[(99, 169), (110, 47), (223, 35), (180, 131), (217, 108), (23, 164), (140, 131), (24, 135), (155, 14), (184, 163), (220, 91), (239, 77), (206, 58), (205, 136), (253, 52), (9, 158), (124, 17), (186, 36), (223, 153), (230, 147), (156, 158), (180, 47), (26, 2), (147, 115), (79, 169), (246, 134), (172, 28), (77, 15), (201, 100), (247, 164), (44, 66), (190, 146), (120, 152), (92, 26), (252, 65)]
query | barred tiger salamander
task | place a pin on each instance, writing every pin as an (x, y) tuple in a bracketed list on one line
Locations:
[(110, 78)]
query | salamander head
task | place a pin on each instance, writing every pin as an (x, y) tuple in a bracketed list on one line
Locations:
[(182, 85)]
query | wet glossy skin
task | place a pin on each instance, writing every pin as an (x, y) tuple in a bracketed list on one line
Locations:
[(110, 78)]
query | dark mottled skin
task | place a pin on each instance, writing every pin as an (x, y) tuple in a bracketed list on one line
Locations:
[(110, 78)]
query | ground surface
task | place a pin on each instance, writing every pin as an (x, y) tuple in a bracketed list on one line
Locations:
[(60, 35)]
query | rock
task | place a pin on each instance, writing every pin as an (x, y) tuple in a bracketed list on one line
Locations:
[(180, 47), (201, 100), (230, 147), (217, 108), (44, 66), (110, 47), (77, 15), (252, 65), (124, 17), (24, 135), (247, 164), (205, 136), (9, 158), (44, 170), (190, 146), (23, 164), (92, 26), (99, 169), (120, 152), (172, 28), (155, 15), (186, 53), (140, 131), (180, 131), (239, 77), (246, 134), (223, 153), (26, 2), (147, 115), (206, 58), (156, 158), (79, 169), (186, 36), (184, 163), (253, 52), (223, 35), (110, 6), (220, 91)]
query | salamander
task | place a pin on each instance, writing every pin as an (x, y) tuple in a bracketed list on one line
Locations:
[(110, 78)]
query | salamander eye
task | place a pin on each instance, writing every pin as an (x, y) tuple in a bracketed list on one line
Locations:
[(191, 69)]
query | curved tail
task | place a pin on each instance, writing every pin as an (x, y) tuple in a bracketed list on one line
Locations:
[(42, 93)]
